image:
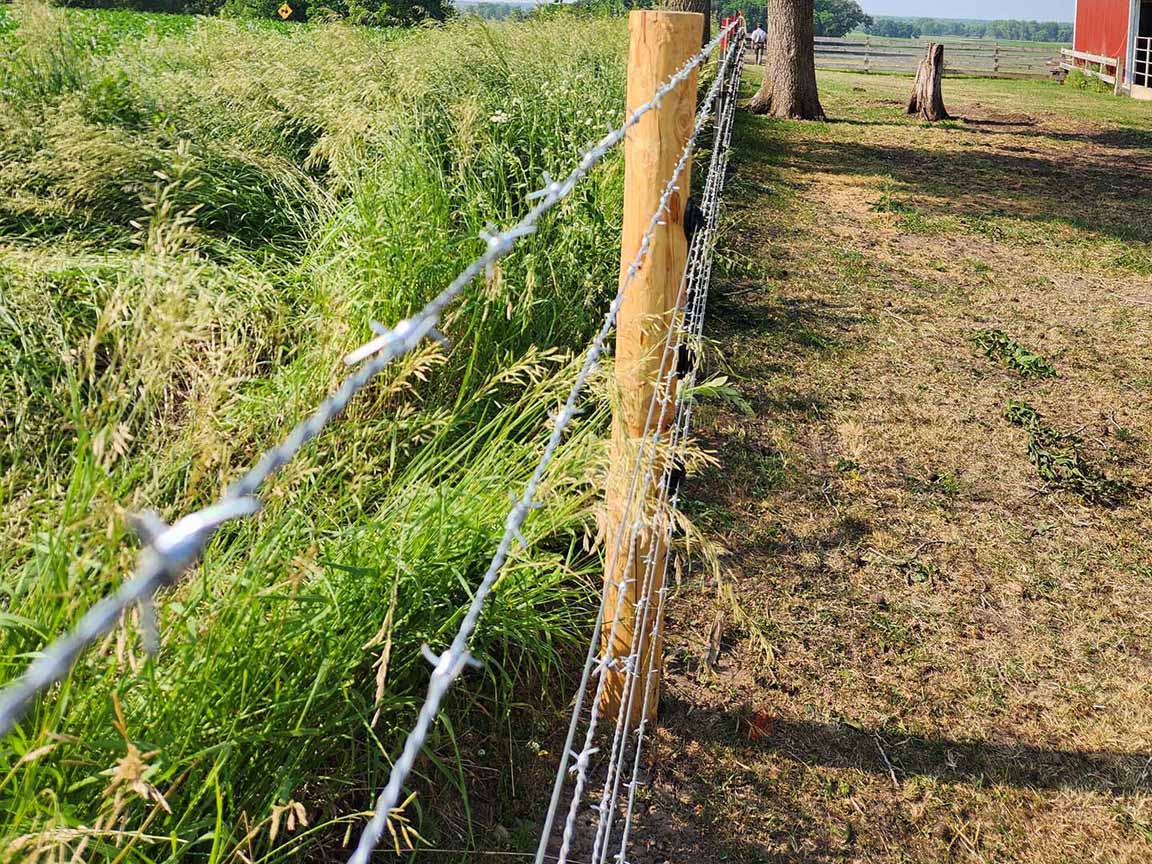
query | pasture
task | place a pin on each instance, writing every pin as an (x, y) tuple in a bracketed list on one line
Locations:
[(933, 622)]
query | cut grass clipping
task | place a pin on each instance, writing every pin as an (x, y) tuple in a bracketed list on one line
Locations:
[(1060, 460), (999, 346)]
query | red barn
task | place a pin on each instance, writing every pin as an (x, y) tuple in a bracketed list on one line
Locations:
[(1117, 33)]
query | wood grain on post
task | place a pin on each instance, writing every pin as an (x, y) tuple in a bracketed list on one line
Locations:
[(660, 42)]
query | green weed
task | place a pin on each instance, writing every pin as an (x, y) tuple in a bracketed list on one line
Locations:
[(889, 202), (1059, 459), (1077, 80), (977, 267), (721, 389), (998, 345)]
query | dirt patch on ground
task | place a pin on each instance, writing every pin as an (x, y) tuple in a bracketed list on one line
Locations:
[(932, 649)]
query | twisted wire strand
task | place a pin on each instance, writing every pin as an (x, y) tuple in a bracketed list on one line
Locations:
[(582, 758), (685, 428), (169, 551), (690, 333), (645, 457), (452, 661)]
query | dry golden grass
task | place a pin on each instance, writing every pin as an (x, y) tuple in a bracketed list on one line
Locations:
[(960, 668)]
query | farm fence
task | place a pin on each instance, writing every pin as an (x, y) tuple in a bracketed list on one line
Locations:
[(980, 59), (668, 240), (1110, 70)]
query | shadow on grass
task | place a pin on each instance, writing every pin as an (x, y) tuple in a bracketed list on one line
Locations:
[(895, 752), (709, 796), (792, 825), (1093, 194), (1115, 139)]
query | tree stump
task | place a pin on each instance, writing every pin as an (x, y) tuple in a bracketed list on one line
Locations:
[(927, 95)]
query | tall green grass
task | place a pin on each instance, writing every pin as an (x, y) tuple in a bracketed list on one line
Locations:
[(194, 228)]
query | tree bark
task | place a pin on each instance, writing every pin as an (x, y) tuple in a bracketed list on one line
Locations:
[(927, 93), (789, 86), (704, 7)]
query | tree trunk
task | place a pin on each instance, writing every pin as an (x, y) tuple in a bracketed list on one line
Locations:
[(927, 95), (789, 86), (704, 7)]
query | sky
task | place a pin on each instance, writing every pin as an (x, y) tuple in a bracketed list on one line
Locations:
[(1031, 10)]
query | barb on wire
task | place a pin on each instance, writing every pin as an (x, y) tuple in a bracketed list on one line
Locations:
[(592, 663), (699, 251), (703, 281), (167, 555), (449, 667), (689, 332)]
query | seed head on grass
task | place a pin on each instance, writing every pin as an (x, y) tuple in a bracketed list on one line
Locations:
[(310, 181)]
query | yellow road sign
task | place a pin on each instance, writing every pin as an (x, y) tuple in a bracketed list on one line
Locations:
[(284, 11)]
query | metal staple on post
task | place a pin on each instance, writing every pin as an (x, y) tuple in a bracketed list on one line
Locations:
[(649, 447)]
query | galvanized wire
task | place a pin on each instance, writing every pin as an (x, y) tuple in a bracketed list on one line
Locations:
[(648, 449), (684, 427), (643, 464), (692, 323), (665, 511), (452, 661), (169, 551), (696, 278)]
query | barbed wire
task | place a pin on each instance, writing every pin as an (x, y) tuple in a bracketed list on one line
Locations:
[(607, 661), (684, 428), (647, 453), (644, 457), (170, 550), (697, 276), (449, 664)]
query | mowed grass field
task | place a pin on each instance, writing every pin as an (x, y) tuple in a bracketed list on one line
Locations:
[(1054, 47), (933, 625), (198, 219)]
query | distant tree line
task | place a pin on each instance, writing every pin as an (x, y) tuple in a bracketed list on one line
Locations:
[(496, 11), (381, 13), (833, 17), (399, 13), (915, 28)]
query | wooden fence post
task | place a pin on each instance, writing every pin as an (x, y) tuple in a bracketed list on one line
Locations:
[(996, 60), (660, 42)]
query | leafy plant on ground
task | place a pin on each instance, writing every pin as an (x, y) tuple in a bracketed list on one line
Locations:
[(1078, 80), (721, 389), (889, 200), (998, 345), (1059, 459)]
